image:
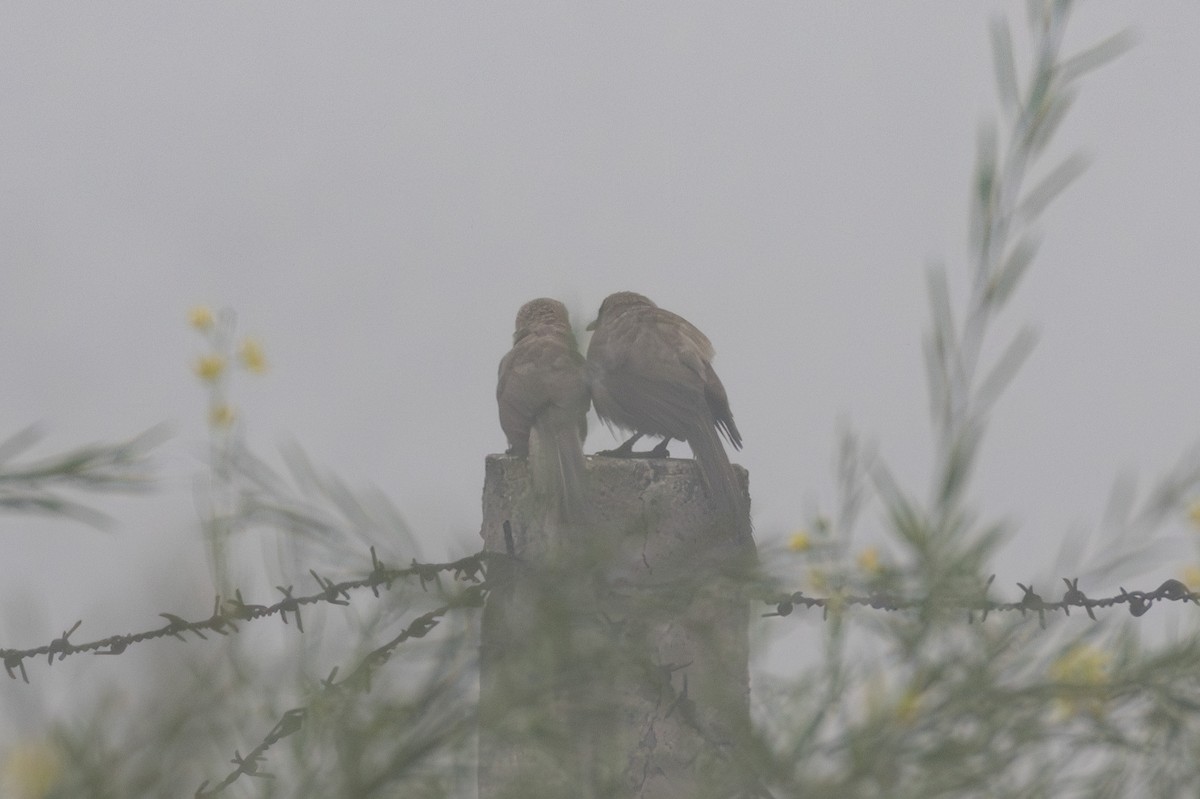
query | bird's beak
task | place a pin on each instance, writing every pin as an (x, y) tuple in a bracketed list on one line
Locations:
[(592, 326)]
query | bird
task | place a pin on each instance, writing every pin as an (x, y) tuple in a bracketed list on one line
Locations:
[(543, 398), (651, 373)]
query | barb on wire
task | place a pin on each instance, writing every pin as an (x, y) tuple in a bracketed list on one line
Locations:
[(227, 613), (1138, 602), (290, 722), (358, 680)]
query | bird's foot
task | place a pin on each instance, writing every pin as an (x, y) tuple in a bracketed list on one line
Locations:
[(626, 450)]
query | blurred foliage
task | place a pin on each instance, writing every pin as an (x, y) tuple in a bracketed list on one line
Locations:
[(919, 703), (47, 485)]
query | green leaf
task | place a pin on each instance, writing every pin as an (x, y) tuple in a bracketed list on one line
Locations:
[(960, 462), (907, 521), (1096, 56), (941, 308), (1052, 185), (1002, 284), (1006, 69), (1006, 367), (983, 189), (1049, 117), (19, 442), (941, 353)]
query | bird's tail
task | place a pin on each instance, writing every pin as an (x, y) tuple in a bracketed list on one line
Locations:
[(720, 480), (557, 466)]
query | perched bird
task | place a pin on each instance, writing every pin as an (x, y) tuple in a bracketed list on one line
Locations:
[(542, 393), (651, 373)]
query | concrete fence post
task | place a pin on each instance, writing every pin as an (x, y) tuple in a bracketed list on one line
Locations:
[(614, 654)]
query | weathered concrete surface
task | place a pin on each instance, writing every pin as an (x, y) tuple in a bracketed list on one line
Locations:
[(614, 655)]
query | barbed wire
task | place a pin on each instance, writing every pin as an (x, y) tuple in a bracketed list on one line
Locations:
[(227, 613), (1139, 602), (358, 680)]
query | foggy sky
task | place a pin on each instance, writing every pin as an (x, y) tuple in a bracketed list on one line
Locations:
[(377, 188)]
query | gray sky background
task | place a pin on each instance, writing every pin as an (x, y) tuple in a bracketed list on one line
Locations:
[(377, 188)]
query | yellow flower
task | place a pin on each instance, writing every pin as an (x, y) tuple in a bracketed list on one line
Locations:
[(1082, 664), (868, 560), (251, 353), (1191, 577), (799, 541), (1194, 513), (31, 771), (200, 317), (210, 367), (1082, 674), (221, 415)]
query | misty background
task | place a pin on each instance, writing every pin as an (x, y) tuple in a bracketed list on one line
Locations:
[(376, 189)]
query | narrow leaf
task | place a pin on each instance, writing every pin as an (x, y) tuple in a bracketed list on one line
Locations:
[(959, 463), (1052, 185), (1096, 56), (1006, 69), (941, 354), (1049, 118), (939, 305), (19, 442), (983, 194), (1002, 284), (1006, 367)]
